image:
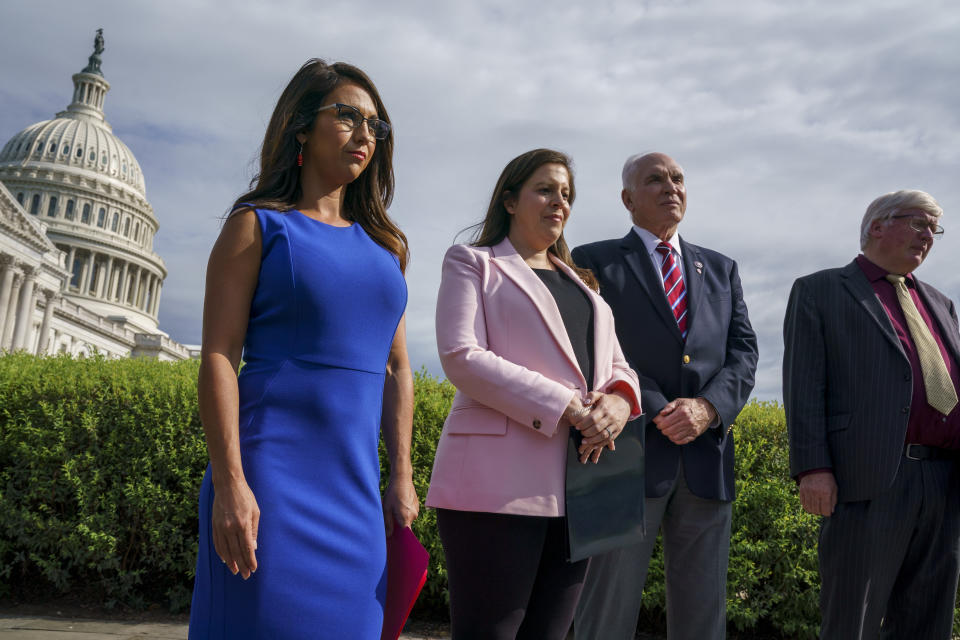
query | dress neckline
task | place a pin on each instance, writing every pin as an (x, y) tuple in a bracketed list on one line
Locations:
[(326, 224)]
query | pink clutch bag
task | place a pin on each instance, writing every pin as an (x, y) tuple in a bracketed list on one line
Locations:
[(407, 563)]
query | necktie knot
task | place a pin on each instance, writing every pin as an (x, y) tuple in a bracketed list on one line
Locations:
[(664, 249), (895, 279)]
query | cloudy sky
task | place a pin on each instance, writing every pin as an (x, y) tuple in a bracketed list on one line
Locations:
[(788, 117)]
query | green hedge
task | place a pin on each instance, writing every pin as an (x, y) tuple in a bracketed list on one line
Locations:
[(101, 462)]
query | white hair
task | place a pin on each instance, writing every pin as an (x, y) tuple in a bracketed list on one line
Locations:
[(630, 168), (890, 204)]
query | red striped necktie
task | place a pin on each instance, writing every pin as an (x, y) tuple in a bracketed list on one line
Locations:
[(673, 286)]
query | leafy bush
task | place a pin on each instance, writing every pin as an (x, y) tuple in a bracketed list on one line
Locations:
[(100, 466), (101, 463)]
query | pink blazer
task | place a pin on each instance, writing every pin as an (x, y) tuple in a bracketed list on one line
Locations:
[(504, 346)]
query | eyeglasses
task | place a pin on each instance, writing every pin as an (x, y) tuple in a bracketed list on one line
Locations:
[(919, 225), (350, 117)]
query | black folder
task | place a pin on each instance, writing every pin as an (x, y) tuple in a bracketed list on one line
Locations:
[(604, 501)]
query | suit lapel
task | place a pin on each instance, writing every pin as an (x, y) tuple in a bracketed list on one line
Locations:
[(512, 265), (693, 280), (859, 287), (636, 256), (943, 319)]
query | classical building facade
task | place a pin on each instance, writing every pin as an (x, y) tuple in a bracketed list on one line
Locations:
[(78, 272)]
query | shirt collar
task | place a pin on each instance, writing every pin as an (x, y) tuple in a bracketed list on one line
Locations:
[(874, 272), (650, 241)]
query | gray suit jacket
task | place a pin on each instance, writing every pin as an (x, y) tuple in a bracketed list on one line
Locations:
[(847, 383)]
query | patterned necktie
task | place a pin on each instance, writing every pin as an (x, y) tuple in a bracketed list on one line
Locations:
[(673, 286), (936, 379)]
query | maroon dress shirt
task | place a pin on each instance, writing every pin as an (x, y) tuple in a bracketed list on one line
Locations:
[(926, 425)]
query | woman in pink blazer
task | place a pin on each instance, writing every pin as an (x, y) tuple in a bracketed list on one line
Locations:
[(531, 348)]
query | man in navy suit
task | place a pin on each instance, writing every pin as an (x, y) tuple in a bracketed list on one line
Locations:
[(871, 370), (683, 326)]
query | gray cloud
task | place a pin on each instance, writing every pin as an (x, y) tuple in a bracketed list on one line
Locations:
[(788, 117)]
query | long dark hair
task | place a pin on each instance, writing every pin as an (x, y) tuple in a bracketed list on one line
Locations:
[(496, 224), (277, 184)]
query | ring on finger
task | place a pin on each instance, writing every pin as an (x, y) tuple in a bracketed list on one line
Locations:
[(607, 431)]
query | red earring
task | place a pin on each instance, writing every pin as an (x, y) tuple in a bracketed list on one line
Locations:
[(300, 156)]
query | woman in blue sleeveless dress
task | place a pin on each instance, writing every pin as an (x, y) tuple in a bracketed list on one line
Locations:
[(306, 280)]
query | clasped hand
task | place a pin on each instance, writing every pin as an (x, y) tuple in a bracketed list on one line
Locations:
[(684, 419), (599, 419)]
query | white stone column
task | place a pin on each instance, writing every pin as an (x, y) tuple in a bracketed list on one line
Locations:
[(6, 340), (98, 284), (87, 273), (156, 298), (70, 256), (137, 284), (7, 264), (144, 290), (43, 345), (103, 292), (24, 309), (154, 290), (147, 291), (125, 283)]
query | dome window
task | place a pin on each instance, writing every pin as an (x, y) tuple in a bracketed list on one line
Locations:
[(116, 222), (68, 214), (35, 204), (19, 144), (52, 207), (66, 149), (102, 218), (85, 216), (53, 147), (136, 233), (20, 198), (124, 167), (79, 152), (126, 227), (103, 158)]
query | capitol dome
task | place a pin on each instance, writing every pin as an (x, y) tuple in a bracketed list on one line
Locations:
[(85, 184)]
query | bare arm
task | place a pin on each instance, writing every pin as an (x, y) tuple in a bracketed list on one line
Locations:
[(400, 502), (232, 273)]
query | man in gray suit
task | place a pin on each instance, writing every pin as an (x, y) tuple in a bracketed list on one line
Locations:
[(683, 326), (871, 369)]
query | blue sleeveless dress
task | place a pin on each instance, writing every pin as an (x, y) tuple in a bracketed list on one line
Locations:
[(323, 317)]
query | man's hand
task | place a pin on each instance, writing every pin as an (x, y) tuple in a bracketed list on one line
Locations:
[(818, 493), (684, 419), (401, 506)]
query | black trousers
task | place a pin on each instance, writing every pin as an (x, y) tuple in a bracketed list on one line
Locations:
[(509, 577), (889, 565)]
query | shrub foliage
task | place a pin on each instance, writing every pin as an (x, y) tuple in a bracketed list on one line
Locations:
[(101, 462)]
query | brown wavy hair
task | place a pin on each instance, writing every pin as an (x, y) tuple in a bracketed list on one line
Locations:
[(496, 224), (277, 184)]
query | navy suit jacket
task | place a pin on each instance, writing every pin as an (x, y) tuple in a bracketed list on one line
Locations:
[(847, 383), (717, 361)]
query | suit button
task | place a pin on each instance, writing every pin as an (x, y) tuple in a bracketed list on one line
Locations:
[(906, 376), (905, 410), (536, 424), (686, 359)]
